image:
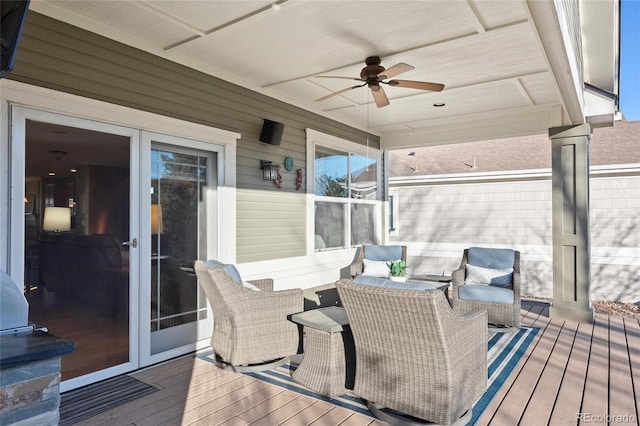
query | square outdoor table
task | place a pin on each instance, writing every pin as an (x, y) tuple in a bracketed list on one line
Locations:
[(432, 277), (441, 282), (323, 367)]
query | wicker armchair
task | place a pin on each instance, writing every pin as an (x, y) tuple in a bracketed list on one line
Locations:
[(414, 354), (499, 293), (251, 331), (377, 254)]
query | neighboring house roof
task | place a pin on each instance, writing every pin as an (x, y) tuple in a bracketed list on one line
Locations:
[(609, 145)]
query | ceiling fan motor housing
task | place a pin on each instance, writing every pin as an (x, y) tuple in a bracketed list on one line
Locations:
[(371, 71), (373, 60)]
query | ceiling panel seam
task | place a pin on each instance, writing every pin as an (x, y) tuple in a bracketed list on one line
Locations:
[(171, 18), (411, 49), (228, 24)]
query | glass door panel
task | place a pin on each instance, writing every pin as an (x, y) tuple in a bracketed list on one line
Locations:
[(76, 267), (179, 180)]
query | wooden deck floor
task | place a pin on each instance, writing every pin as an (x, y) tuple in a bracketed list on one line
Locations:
[(573, 373)]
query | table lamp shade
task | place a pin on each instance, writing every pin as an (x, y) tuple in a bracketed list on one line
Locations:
[(57, 219), (157, 225)]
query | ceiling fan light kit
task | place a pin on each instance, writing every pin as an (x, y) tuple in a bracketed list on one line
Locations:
[(374, 74)]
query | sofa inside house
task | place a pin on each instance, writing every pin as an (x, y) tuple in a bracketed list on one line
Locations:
[(87, 268)]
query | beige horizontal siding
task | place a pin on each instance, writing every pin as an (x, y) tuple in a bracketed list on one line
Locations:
[(270, 225)]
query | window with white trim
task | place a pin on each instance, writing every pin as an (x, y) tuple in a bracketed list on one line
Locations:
[(346, 191)]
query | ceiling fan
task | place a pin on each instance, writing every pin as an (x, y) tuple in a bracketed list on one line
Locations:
[(374, 74)]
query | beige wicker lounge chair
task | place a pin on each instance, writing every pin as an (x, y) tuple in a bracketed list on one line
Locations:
[(414, 354), (376, 253), (489, 286), (251, 331)]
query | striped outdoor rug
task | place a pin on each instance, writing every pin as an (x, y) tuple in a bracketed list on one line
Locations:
[(504, 352), (80, 404)]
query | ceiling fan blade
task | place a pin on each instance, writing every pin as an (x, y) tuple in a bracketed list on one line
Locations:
[(397, 69), (422, 85), (336, 76), (339, 92), (380, 97)]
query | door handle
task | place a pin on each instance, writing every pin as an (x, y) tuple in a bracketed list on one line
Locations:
[(133, 243)]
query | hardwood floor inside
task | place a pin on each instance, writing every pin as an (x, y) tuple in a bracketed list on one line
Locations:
[(101, 338)]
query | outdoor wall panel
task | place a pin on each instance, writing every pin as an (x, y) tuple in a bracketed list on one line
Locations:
[(270, 225), (437, 226), (484, 213)]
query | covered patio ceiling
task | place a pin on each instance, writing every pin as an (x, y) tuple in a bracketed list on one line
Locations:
[(506, 66)]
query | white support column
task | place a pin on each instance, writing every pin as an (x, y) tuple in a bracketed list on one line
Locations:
[(570, 207)]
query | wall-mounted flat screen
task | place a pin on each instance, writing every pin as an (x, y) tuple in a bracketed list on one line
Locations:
[(13, 13)]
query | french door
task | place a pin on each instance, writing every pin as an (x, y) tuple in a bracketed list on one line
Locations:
[(115, 276), (79, 262)]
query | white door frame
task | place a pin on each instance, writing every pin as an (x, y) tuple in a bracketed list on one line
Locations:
[(19, 117), (212, 247)]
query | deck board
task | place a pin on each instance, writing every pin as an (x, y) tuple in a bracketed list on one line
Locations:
[(596, 389), (197, 407), (569, 368), (620, 379), (285, 412), (527, 378), (569, 397), (179, 404), (632, 331), (500, 405), (261, 410), (309, 415), (222, 415), (541, 403)]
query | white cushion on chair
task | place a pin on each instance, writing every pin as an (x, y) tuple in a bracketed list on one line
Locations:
[(375, 268), (489, 276), (249, 286)]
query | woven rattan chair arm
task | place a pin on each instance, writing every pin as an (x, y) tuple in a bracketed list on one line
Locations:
[(264, 284), (516, 276), (471, 331), (274, 305), (476, 313), (458, 276), (356, 266)]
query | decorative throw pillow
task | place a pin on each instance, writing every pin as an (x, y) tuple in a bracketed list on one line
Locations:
[(488, 276), (375, 268), (228, 268)]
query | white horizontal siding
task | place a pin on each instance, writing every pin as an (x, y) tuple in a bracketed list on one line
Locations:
[(314, 270), (437, 222)]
